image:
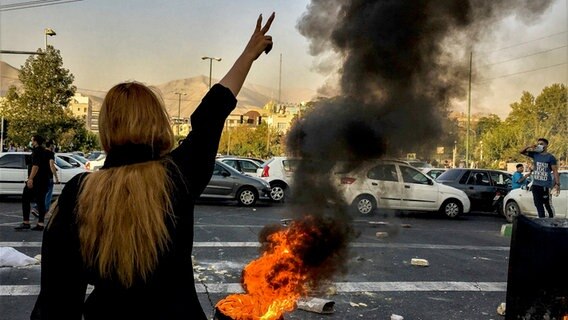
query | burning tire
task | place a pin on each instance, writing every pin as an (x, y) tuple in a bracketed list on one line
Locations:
[(247, 197), (451, 208), (511, 211), (364, 205)]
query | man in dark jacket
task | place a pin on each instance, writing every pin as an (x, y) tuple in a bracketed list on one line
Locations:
[(37, 185)]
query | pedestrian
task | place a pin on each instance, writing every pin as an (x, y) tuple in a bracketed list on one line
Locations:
[(544, 169), (36, 185), (520, 179), (53, 178), (127, 229)]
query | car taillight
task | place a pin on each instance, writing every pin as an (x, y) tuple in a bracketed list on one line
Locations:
[(265, 171), (347, 180)]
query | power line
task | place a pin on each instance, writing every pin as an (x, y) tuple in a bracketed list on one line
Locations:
[(521, 72), (528, 55), (529, 41), (33, 4)]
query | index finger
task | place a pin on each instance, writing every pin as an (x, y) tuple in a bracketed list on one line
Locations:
[(268, 23)]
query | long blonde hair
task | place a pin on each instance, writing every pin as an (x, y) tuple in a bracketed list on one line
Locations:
[(122, 210)]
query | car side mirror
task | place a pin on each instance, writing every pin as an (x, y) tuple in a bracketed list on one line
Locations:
[(225, 174), (76, 165)]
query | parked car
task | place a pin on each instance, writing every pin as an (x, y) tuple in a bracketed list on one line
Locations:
[(397, 185), (96, 164), (278, 172), (483, 186), (433, 173), (94, 155), (520, 201), (74, 159), (417, 163), (244, 165), (228, 183), (14, 172)]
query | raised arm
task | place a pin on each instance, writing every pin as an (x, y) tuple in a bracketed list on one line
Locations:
[(195, 156), (258, 43)]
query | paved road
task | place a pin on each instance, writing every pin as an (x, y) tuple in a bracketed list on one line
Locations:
[(466, 278)]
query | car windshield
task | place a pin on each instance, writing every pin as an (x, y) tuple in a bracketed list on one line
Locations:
[(62, 164), (449, 175), (79, 158)]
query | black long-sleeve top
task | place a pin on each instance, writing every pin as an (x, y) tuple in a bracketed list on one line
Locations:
[(169, 292)]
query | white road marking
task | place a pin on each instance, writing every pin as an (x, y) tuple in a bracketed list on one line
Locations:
[(342, 287), (223, 244)]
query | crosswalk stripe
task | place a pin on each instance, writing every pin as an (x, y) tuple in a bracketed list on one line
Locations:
[(342, 287), (222, 244)]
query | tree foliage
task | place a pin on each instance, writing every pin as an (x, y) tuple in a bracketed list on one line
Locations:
[(544, 116), (261, 141), (40, 105)]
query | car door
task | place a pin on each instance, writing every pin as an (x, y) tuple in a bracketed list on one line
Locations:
[(419, 192), (383, 181), (560, 202), (501, 181), (221, 183), (479, 189), (13, 173)]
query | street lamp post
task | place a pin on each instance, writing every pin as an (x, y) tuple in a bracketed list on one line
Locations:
[(210, 66), (179, 108), (48, 32)]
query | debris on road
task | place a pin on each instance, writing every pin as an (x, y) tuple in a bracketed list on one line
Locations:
[(419, 262), (360, 304), (378, 223), (405, 225), (501, 309), (396, 317), (381, 235), (10, 257), (317, 305), (285, 222)]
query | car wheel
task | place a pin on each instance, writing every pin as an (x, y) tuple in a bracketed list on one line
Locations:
[(246, 197), (511, 211), (452, 208), (364, 205), (278, 192)]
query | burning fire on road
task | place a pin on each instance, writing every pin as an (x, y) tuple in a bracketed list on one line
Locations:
[(293, 262)]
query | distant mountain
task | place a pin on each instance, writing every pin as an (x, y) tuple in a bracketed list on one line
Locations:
[(252, 96)]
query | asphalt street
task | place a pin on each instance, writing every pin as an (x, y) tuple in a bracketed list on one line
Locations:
[(466, 277)]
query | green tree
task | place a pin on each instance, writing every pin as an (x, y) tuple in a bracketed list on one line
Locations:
[(39, 107)]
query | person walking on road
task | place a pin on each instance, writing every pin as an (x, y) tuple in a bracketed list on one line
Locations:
[(544, 169), (36, 186), (127, 229), (520, 179)]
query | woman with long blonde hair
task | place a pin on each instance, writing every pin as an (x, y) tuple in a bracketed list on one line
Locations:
[(127, 229)]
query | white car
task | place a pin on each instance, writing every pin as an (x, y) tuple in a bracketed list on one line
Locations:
[(278, 172), (397, 185), (247, 166), (520, 201), (96, 163), (433, 172), (14, 172), (74, 159)]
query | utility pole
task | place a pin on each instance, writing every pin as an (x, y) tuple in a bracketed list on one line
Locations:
[(179, 109), (280, 82), (468, 113)]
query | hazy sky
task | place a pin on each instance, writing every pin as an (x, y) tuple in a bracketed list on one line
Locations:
[(104, 42)]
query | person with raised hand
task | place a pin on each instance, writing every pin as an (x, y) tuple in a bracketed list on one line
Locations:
[(127, 229)]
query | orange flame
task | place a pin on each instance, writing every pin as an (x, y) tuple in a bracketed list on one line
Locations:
[(274, 282)]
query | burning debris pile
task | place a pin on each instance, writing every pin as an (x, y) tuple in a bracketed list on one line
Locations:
[(293, 261)]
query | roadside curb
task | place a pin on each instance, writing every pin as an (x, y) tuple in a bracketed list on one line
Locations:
[(507, 229)]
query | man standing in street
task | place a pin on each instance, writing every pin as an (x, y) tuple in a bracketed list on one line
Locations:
[(36, 185), (519, 179), (544, 167)]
